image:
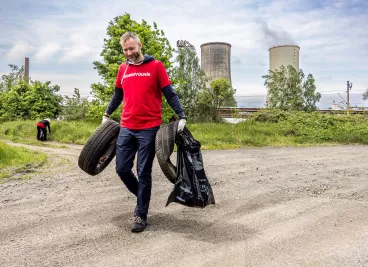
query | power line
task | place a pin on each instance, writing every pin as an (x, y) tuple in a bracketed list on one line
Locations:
[(69, 93), (322, 93), (250, 95), (331, 91)]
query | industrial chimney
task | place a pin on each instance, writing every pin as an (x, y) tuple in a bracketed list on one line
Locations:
[(26, 70)]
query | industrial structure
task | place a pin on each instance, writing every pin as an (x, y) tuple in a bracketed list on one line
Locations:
[(215, 60), (26, 70), (284, 55)]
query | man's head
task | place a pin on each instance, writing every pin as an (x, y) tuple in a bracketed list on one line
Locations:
[(131, 46)]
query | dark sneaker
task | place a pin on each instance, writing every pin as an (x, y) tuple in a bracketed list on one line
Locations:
[(139, 224)]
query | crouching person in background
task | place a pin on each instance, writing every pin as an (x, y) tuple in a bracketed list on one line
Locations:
[(42, 129)]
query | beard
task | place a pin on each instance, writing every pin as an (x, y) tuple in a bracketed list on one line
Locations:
[(135, 56)]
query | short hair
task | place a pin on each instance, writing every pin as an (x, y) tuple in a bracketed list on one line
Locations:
[(126, 36)]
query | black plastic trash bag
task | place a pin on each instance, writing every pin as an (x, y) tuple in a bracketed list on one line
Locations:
[(191, 186)]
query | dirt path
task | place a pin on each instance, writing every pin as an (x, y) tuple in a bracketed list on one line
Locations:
[(275, 207)]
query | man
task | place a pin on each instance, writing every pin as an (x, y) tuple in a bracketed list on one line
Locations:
[(140, 83), (42, 130)]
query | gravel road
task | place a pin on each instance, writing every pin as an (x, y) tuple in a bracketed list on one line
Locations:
[(275, 207)]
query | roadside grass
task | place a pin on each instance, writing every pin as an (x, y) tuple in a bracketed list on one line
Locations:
[(317, 128), (279, 128), (265, 128), (73, 132), (18, 160), (68, 132)]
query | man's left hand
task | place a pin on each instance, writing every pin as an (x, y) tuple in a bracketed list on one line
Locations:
[(181, 125)]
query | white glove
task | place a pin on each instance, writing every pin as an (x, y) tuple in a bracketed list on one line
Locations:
[(181, 125), (104, 118)]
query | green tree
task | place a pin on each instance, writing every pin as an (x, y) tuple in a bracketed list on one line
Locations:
[(75, 107), (189, 80), (11, 106), (289, 90), (154, 43), (30, 101), (214, 97), (9, 80), (43, 100), (365, 95)]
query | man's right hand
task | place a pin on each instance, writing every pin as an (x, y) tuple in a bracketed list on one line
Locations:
[(104, 118)]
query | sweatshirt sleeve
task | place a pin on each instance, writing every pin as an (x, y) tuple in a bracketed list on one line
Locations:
[(117, 97), (173, 100), (115, 101)]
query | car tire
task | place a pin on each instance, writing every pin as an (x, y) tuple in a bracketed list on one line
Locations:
[(100, 148), (165, 143)]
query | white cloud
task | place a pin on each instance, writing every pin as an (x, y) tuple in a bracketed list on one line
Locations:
[(68, 82), (19, 51), (75, 52), (332, 38), (46, 52)]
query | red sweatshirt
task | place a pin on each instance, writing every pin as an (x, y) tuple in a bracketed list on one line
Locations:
[(142, 89)]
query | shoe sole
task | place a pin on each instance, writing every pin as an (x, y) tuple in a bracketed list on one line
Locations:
[(138, 230)]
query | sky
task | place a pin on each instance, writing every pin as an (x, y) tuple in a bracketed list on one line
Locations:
[(63, 38)]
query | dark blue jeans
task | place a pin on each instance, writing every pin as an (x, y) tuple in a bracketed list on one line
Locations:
[(128, 144)]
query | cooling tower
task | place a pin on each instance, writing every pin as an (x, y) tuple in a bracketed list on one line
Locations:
[(284, 55), (215, 60)]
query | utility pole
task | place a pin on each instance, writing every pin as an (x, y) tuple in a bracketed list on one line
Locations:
[(349, 85)]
